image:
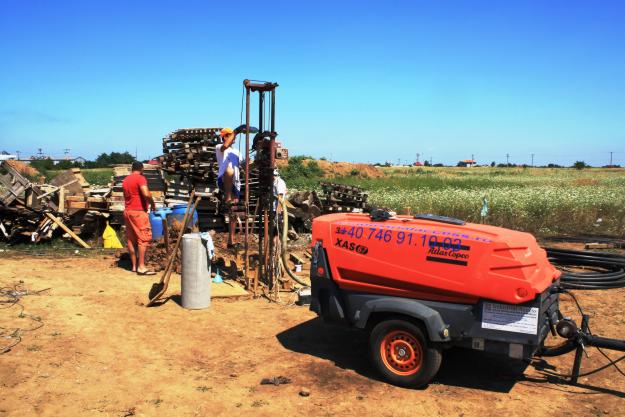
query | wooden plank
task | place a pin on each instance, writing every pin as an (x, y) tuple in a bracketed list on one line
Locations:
[(296, 259), (598, 246), (69, 232)]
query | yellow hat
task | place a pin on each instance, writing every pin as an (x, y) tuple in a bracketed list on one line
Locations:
[(225, 131)]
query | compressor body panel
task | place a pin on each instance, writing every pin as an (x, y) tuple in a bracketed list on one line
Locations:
[(433, 260)]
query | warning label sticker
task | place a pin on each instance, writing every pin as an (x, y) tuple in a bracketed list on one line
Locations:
[(510, 318)]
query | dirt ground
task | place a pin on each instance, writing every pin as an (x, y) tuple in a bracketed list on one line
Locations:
[(102, 352)]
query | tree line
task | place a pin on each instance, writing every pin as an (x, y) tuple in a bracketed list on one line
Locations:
[(104, 160)]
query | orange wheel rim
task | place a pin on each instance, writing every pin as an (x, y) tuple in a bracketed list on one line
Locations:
[(401, 353)]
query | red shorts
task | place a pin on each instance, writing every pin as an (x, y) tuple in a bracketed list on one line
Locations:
[(138, 228)]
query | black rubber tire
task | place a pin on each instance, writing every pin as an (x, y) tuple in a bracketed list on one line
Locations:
[(431, 355)]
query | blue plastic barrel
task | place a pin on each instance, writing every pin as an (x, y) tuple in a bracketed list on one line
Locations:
[(177, 215), (156, 221)]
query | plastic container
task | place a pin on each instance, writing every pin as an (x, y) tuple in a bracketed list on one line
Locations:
[(177, 215), (156, 221), (196, 275)]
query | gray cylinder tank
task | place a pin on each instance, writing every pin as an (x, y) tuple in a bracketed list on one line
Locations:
[(196, 277)]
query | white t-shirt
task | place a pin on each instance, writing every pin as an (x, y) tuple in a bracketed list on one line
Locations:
[(279, 188), (229, 157)]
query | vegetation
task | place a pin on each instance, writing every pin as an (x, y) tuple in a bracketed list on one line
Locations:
[(105, 160), (543, 201), (98, 176), (96, 172), (302, 172)]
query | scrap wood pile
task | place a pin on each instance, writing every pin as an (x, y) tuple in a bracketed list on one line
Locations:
[(341, 198), (190, 159), (37, 211), (335, 198)]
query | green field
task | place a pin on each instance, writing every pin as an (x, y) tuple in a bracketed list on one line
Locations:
[(94, 176), (538, 200)]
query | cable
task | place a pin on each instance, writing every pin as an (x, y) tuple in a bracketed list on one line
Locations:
[(285, 229), (594, 371), (611, 362), (607, 270), (13, 295)]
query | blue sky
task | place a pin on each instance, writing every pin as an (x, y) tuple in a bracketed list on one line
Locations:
[(359, 81)]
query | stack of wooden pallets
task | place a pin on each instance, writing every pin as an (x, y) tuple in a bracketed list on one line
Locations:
[(341, 198)]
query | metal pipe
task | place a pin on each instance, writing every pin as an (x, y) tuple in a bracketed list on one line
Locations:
[(272, 166), (261, 112), (273, 110), (606, 343), (247, 180)]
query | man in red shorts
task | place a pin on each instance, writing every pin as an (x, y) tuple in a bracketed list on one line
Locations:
[(138, 229)]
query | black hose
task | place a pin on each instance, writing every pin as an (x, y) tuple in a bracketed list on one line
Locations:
[(605, 270)]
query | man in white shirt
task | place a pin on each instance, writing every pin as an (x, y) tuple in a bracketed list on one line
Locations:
[(228, 160), (279, 193)]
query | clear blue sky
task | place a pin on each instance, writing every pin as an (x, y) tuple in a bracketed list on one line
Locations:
[(358, 81)]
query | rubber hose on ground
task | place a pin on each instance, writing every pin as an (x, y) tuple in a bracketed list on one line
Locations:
[(285, 229), (607, 269)]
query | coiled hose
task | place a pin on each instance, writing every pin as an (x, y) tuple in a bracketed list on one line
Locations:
[(607, 270), (285, 258)]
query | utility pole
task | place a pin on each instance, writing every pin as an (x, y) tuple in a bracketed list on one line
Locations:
[(507, 159), (18, 154), (398, 161), (611, 157), (66, 152), (418, 154), (532, 160), (40, 153), (430, 161)]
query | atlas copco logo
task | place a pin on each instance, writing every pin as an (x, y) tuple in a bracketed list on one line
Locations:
[(351, 246)]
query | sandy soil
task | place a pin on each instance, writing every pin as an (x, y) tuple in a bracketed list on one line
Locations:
[(102, 352)]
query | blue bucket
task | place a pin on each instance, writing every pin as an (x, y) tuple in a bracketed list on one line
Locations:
[(177, 214)]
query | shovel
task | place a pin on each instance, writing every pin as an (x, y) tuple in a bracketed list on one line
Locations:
[(159, 288)]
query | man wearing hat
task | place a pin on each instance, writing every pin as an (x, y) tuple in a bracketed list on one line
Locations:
[(228, 160)]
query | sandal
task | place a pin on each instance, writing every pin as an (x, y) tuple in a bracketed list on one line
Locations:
[(148, 272)]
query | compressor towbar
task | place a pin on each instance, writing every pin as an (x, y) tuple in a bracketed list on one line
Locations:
[(578, 339)]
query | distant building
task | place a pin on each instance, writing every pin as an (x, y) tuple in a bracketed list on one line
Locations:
[(469, 162), (5, 156)]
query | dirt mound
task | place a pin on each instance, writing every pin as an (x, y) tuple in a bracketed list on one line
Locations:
[(23, 168), (341, 169)]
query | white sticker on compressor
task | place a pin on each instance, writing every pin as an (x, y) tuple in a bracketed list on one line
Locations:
[(510, 318)]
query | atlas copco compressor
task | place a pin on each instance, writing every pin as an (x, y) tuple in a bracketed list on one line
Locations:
[(425, 283)]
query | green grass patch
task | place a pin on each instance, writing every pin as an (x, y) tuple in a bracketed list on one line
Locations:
[(538, 200)]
